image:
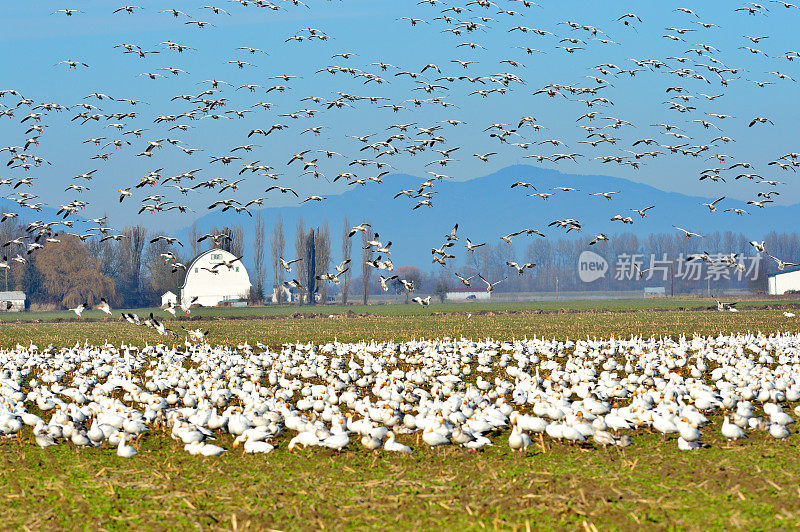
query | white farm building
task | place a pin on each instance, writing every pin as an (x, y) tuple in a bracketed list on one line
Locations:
[(782, 282), (212, 282), (12, 301), (464, 294)]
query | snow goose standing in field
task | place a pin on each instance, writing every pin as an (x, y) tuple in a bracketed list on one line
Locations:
[(255, 446), (209, 449), (123, 450), (393, 446), (685, 445), (434, 438), (42, 437), (517, 440), (687, 432), (336, 441), (778, 431), (731, 431), (370, 442), (616, 423)]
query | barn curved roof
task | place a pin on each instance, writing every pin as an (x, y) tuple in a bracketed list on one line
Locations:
[(201, 255)]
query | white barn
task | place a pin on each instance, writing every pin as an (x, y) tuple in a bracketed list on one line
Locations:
[(782, 282), (210, 288)]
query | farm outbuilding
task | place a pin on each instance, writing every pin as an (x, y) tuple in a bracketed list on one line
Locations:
[(169, 298), (287, 295), (214, 277), (464, 294), (12, 301), (783, 282)]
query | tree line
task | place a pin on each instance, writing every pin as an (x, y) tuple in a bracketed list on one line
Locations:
[(132, 270)]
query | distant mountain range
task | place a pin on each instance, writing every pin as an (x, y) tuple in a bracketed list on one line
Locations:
[(487, 207)]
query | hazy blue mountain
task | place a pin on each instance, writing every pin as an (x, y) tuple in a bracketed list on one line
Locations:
[(487, 207)]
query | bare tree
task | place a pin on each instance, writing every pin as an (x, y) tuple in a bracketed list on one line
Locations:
[(311, 266), (323, 259), (237, 241), (278, 245), (347, 251), (258, 259), (366, 269), (130, 256), (194, 234), (300, 253)]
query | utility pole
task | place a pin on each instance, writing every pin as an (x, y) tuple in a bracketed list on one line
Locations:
[(671, 278)]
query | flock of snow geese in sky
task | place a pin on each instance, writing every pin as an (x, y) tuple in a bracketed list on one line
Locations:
[(440, 393), (699, 77)]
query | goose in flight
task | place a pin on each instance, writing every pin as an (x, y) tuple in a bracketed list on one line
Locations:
[(384, 282), (484, 157), (216, 10), (128, 9), (628, 18), (687, 11), (465, 280), (252, 50), (225, 159), (104, 306), (422, 301), (598, 238), (688, 234), (452, 236), (174, 12), (520, 267), (79, 309), (313, 198), (705, 257), (543, 195), (358, 228), (490, 286), (759, 246), (168, 239), (734, 210), (471, 247), (643, 212), (227, 263), (216, 238), (782, 265), (72, 64), (760, 120), (287, 264), (712, 207), (606, 195), (725, 306), (67, 12), (283, 190)]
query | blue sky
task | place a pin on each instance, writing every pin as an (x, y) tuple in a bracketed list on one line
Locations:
[(34, 40)]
